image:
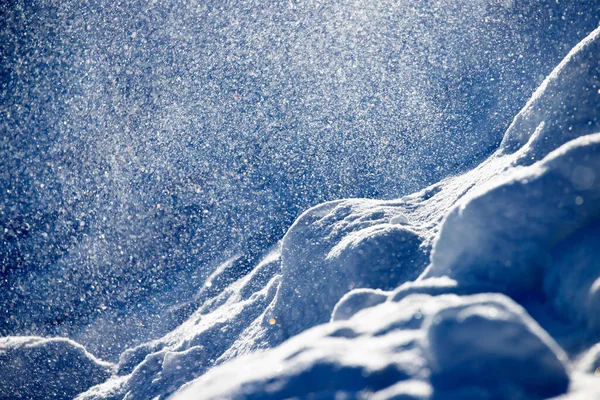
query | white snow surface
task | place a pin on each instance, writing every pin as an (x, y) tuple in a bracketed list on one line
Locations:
[(483, 286)]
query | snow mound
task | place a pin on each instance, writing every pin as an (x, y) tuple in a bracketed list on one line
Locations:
[(356, 300), (502, 232), (494, 345), (342, 245), (424, 339), (39, 368)]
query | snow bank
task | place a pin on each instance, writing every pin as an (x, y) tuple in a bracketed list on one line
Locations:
[(451, 345), (339, 246), (506, 233), (226, 323), (564, 107), (41, 368)]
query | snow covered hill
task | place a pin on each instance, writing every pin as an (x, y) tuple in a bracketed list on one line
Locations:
[(484, 285)]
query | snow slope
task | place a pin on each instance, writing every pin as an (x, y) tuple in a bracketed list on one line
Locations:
[(485, 285), (144, 143)]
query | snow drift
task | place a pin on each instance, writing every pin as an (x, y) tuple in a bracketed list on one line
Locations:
[(482, 346), (485, 285), (145, 143)]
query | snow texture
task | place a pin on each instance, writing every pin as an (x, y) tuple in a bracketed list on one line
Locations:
[(484, 285), (483, 344)]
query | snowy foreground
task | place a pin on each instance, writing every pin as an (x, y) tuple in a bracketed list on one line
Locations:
[(483, 286)]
